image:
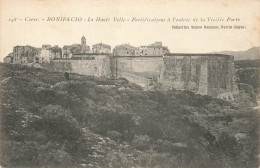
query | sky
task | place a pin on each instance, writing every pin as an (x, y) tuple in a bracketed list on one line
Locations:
[(36, 33)]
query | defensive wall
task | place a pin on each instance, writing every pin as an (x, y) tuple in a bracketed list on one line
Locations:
[(208, 74), (93, 65), (137, 69)]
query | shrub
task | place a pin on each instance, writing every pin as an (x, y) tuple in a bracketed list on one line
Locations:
[(141, 142), (114, 135), (57, 123)]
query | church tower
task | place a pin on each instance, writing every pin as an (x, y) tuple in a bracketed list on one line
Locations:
[(83, 41)]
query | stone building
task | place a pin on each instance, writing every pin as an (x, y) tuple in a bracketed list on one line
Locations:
[(83, 41), (84, 48), (55, 52), (143, 50), (66, 52), (101, 48), (44, 56), (156, 49), (125, 50), (25, 54), (69, 50), (49, 53)]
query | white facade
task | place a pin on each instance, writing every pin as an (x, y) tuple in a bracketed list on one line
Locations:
[(143, 50), (44, 56)]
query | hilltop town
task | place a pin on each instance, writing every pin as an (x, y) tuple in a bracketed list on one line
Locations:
[(29, 54), (151, 66), (105, 120)]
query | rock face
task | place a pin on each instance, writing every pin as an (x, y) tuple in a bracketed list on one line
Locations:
[(208, 74)]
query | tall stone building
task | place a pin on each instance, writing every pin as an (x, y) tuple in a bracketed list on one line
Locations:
[(125, 50), (55, 52), (44, 56), (25, 54), (83, 41), (84, 47), (143, 51), (66, 52), (48, 53), (156, 49), (101, 48)]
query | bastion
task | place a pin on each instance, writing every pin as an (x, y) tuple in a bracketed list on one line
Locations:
[(207, 74)]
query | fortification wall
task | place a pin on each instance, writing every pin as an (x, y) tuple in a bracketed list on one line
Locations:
[(203, 74), (137, 69), (185, 73), (221, 76), (208, 74), (96, 65)]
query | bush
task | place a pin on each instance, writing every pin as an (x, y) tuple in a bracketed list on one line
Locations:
[(114, 135), (46, 121), (57, 123), (141, 142)]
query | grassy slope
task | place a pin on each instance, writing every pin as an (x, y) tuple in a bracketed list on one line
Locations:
[(91, 121)]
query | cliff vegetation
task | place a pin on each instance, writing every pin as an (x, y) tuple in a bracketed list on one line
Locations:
[(99, 122)]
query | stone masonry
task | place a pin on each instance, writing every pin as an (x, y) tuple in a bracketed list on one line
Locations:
[(207, 74)]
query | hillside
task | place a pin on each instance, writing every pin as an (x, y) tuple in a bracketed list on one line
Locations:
[(248, 72), (250, 54), (99, 122)]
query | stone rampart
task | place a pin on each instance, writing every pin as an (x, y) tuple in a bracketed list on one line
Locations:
[(137, 69), (208, 74), (93, 65)]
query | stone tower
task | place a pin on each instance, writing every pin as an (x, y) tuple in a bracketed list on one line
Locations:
[(83, 40)]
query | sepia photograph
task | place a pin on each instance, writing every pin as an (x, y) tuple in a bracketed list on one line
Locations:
[(129, 84)]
